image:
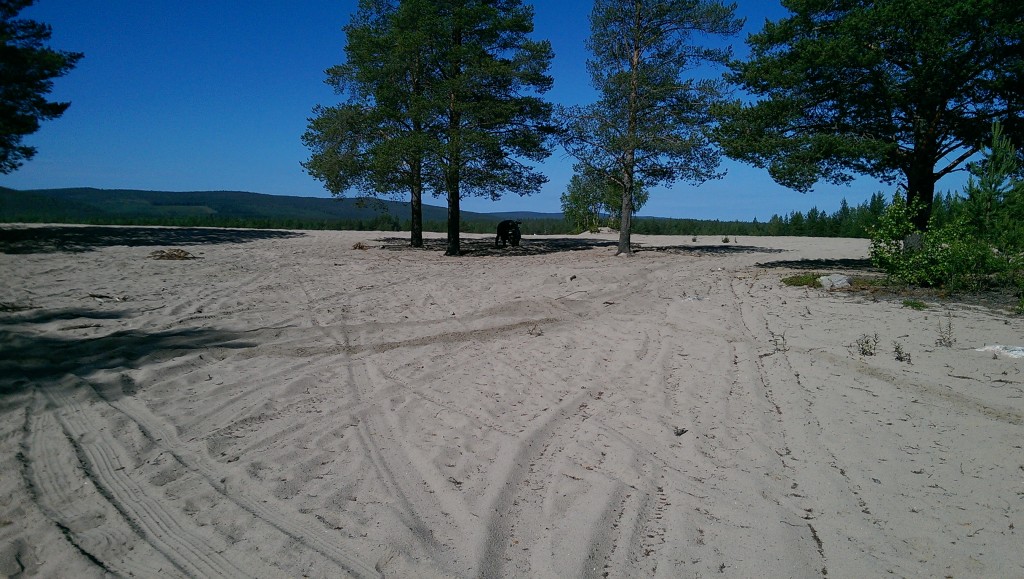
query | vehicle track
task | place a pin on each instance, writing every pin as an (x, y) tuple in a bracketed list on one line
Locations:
[(106, 466)]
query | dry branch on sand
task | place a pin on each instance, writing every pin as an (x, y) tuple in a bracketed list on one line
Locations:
[(171, 254)]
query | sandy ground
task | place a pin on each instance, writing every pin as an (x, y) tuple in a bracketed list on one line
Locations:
[(286, 405)]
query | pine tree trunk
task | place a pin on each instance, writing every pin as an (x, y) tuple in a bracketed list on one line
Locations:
[(452, 174), (629, 163), (416, 219), (921, 188), (625, 224), (453, 219)]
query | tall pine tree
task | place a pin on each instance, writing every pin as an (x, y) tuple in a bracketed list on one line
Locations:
[(493, 121), (443, 96), (376, 141), (652, 122)]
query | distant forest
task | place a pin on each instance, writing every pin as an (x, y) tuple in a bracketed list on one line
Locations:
[(257, 211)]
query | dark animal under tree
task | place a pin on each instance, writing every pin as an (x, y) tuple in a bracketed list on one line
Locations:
[(508, 232)]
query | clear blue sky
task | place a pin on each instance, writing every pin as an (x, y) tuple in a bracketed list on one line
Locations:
[(178, 95)]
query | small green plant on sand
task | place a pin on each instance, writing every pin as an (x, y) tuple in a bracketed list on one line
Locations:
[(914, 304), (867, 345), (900, 354), (803, 279), (946, 338)]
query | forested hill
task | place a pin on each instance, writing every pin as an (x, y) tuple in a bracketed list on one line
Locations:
[(257, 210), (88, 205)]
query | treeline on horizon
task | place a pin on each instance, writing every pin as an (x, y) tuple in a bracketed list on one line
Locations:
[(847, 221)]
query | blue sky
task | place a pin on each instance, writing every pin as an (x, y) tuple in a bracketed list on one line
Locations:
[(179, 95)]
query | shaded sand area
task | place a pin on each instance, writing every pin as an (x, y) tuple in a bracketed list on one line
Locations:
[(285, 405)]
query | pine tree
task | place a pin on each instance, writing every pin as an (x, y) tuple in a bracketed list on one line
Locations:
[(900, 90), (27, 70), (651, 122)]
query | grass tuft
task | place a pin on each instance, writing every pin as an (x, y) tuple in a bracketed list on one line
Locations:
[(803, 279)]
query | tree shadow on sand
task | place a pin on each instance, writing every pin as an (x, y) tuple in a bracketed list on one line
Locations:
[(864, 265), (698, 250), (484, 247), (36, 315), (29, 358), (58, 238)]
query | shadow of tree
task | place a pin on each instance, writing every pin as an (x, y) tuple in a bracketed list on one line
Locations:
[(34, 315), (484, 247), (823, 264), (29, 358), (712, 249), (477, 247), (57, 238)]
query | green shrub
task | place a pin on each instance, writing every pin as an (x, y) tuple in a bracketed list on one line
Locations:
[(950, 256), (978, 240)]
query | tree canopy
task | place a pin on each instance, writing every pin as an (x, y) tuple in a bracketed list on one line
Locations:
[(651, 122), (443, 96), (27, 70), (376, 141), (592, 200), (493, 121), (899, 90)]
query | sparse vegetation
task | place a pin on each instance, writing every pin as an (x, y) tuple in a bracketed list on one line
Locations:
[(803, 279), (915, 304), (867, 345), (946, 338), (899, 353)]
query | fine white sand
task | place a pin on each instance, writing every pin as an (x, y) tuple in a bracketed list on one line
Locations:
[(286, 405)]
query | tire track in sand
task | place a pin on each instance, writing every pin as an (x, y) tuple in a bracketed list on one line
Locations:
[(61, 487), (263, 506), (507, 485), (170, 533)]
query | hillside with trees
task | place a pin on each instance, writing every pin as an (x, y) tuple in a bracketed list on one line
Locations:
[(256, 210)]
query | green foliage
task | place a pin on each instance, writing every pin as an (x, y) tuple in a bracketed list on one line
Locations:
[(241, 209), (803, 280), (492, 122), (377, 141), (915, 304), (948, 256), (442, 97), (995, 196), (27, 70), (651, 123), (895, 89), (584, 204), (592, 200), (979, 240)]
